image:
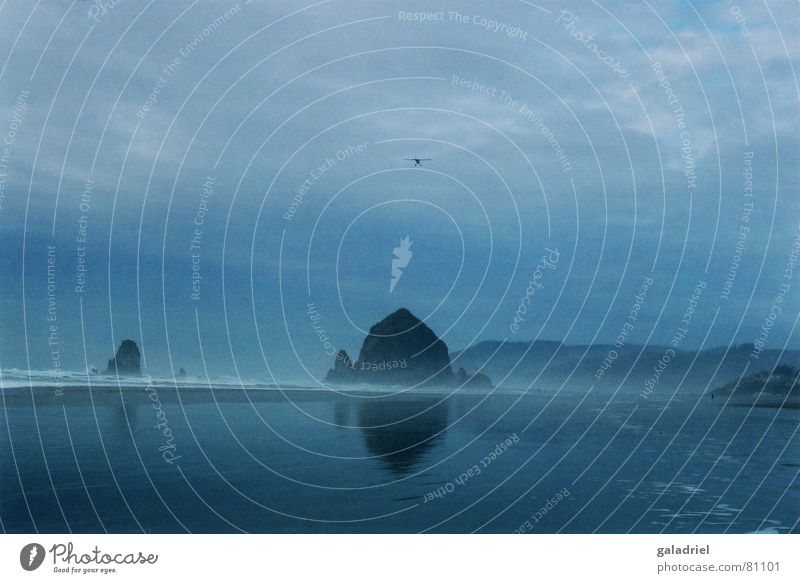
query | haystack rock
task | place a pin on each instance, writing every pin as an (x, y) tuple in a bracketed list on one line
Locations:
[(399, 350), (127, 360)]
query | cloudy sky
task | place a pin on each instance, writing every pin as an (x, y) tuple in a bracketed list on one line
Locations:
[(197, 173)]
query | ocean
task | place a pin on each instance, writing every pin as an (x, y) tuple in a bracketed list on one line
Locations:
[(160, 458)]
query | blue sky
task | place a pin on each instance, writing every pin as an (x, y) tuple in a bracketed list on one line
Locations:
[(617, 133)]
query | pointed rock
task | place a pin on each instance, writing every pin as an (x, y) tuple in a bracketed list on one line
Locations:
[(342, 370), (127, 361)]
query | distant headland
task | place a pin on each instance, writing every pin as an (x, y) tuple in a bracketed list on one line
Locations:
[(779, 387)]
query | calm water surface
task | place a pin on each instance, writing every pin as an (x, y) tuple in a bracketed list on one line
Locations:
[(317, 461)]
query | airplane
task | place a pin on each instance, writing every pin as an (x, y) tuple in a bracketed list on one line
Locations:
[(417, 161)]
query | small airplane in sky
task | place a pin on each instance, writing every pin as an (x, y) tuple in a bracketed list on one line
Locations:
[(417, 161)]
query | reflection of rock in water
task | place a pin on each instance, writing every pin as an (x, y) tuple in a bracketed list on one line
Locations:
[(115, 421), (129, 415), (400, 431), (341, 412)]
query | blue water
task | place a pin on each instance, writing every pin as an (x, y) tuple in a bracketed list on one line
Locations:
[(317, 461)]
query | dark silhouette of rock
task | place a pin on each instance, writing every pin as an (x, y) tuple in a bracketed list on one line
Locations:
[(399, 350), (127, 360), (342, 370)]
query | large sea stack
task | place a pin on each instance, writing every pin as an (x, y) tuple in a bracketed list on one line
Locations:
[(127, 360), (399, 350)]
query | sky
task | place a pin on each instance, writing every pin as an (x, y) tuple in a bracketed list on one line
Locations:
[(226, 182)]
